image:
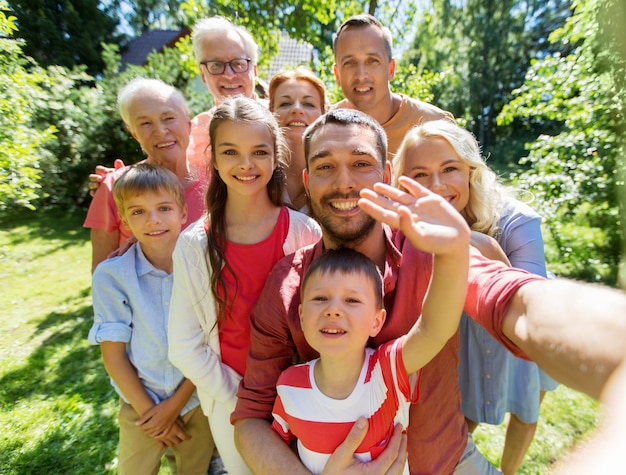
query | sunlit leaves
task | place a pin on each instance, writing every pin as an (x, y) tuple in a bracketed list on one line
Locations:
[(572, 166)]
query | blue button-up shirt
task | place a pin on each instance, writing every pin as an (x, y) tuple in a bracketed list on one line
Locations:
[(131, 301)]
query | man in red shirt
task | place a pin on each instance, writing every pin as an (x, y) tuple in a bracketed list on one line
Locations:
[(346, 159)]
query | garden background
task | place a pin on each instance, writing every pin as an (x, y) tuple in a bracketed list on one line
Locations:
[(542, 84)]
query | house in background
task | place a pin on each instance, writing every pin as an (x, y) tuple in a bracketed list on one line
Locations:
[(291, 53), (139, 48)]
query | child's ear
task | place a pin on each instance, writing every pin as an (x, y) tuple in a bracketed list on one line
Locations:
[(184, 215), (379, 321), (300, 313)]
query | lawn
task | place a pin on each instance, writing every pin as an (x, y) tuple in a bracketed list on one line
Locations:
[(57, 409)]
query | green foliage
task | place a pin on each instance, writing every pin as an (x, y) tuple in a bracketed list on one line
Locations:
[(144, 15), (482, 48), (66, 32), (87, 124), (20, 85), (88, 128), (572, 165), (413, 84), (177, 66)]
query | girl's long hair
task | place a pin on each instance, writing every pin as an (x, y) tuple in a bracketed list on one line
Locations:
[(244, 111)]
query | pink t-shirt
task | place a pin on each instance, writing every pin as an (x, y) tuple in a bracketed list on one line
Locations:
[(102, 213)]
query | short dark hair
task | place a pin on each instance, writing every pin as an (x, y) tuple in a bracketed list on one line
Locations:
[(347, 117), (361, 21), (347, 261)]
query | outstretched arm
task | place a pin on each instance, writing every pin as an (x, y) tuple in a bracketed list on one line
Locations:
[(603, 453), (574, 331)]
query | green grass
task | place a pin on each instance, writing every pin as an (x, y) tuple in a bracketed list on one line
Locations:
[(56, 404), (57, 409), (566, 418)]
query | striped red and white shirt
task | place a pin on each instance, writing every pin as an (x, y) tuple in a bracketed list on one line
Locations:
[(382, 394)]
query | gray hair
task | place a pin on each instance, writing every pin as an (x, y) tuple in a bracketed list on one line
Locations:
[(218, 25), (141, 85)]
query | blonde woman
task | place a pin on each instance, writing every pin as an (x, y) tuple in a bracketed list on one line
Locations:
[(446, 159)]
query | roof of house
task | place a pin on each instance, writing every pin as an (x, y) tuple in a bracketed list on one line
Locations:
[(291, 53), (139, 48)]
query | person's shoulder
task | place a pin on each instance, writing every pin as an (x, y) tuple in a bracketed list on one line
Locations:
[(342, 104), (427, 110), (108, 180), (301, 219), (117, 267), (296, 375), (296, 260), (196, 231), (514, 209), (203, 118), (115, 174), (289, 270)]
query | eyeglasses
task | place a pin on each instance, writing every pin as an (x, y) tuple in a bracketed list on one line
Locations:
[(239, 65)]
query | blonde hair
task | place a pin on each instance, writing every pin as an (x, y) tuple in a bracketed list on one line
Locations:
[(299, 74), (145, 178), (486, 191)]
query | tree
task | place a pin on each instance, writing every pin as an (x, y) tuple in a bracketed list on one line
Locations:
[(483, 48), (145, 15), (573, 164), (65, 32), (68, 118)]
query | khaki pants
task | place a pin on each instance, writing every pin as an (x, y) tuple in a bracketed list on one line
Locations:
[(141, 454)]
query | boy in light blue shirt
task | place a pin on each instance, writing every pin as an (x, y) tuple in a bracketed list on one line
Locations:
[(131, 295)]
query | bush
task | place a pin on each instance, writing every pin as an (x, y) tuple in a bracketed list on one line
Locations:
[(20, 84)]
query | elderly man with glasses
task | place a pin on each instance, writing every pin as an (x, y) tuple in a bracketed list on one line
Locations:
[(227, 56)]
